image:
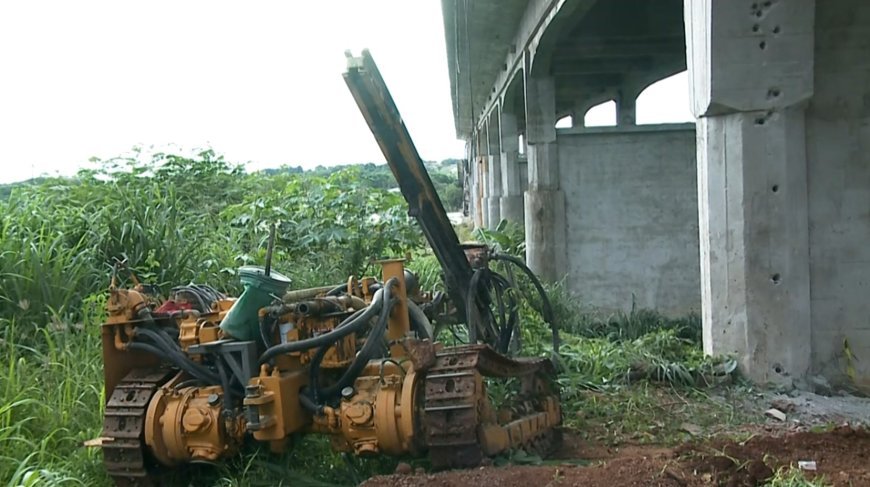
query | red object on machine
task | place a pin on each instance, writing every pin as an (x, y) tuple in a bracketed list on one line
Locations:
[(171, 306)]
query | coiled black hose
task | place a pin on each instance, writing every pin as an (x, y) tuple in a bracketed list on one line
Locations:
[(546, 307), (350, 325), (314, 374), (314, 394), (369, 349), (508, 310), (314, 367)]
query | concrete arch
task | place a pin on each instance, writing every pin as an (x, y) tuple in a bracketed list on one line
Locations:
[(594, 53), (514, 101), (569, 15), (601, 115), (665, 101)]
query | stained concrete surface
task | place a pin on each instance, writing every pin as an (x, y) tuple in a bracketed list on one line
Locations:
[(838, 174), (632, 217)]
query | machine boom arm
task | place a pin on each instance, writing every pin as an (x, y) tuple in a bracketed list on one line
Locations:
[(377, 106)]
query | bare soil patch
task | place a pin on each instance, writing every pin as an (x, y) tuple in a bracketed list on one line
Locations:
[(842, 456)]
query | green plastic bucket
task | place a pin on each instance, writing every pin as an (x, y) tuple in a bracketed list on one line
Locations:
[(242, 321)]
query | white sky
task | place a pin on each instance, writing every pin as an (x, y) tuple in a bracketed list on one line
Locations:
[(257, 81)]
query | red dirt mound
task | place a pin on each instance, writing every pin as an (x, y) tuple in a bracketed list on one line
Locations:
[(842, 456)]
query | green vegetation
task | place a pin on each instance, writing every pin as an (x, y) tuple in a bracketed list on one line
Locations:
[(636, 377), (177, 220), (793, 477), (444, 175)]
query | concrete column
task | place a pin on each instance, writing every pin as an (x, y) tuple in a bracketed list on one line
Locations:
[(544, 201), (494, 165), (467, 182), (480, 164), (750, 70), (511, 179), (626, 107), (476, 201)]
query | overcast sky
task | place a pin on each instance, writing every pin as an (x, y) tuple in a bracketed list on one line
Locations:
[(256, 81)]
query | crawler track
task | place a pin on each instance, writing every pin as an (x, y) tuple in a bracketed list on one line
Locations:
[(124, 454), (457, 410)]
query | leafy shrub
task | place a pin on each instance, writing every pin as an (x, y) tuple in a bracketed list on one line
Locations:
[(175, 219)]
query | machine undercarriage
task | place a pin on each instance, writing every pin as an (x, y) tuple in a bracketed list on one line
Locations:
[(193, 377)]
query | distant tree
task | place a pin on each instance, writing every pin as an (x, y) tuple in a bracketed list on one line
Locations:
[(451, 197)]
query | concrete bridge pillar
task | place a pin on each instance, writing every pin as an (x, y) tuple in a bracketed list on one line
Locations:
[(478, 202), (511, 180), (626, 111), (493, 181), (751, 74), (544, 201)]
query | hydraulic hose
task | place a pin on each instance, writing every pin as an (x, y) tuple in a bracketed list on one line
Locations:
[(314, 367), (546, 308), (337, 290), (369, 349), (309, 404), (225, 385), (314, 373), (355, 322), (202, 374), (157, 337), (472, 312), (363, 357), (419, 322), (173, 354), (267, 326), (508, 316)]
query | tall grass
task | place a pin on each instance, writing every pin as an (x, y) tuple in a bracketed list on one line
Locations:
[(41, 274), (50, 402)]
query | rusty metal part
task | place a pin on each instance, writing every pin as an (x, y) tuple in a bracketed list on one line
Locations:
[(124, 450), (461, 425), (477, 254), (320, 305), (422, 353), (303, 294)]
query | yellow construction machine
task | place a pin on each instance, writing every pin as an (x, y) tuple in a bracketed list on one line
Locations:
[(192, 377)]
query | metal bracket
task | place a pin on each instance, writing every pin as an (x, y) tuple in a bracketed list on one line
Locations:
[(240, 356)]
